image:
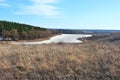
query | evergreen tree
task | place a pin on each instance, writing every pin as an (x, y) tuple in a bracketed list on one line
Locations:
[(16, 31)]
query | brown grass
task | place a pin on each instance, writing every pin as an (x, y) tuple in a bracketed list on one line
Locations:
[(93, 61)]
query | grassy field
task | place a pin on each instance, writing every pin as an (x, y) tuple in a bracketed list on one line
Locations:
[(87, 61)]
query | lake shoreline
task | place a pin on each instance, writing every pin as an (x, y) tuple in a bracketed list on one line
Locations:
[(61, 38)]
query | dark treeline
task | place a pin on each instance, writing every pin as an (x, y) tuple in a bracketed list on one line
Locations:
[(17, 31), (85, 31)]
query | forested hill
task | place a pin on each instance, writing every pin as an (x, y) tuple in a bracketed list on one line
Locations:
[(17, 31), (6, 25)]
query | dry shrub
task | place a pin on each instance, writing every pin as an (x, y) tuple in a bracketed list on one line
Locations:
[(93, 61)]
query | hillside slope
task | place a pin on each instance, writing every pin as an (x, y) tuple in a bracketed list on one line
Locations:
[(93, 61), (16, 31), (104, 37)]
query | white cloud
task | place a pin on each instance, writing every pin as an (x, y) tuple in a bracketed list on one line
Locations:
[(40, 7), (43, 1), (2, 0), (4, 3)]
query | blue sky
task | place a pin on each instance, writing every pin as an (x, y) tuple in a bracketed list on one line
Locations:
[(68, 14)]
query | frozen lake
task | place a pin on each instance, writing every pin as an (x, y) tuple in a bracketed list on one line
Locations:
[(1, 38), (65, 38)]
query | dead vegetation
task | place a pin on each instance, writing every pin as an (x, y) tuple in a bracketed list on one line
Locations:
[(104, 37), (93, 61)]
